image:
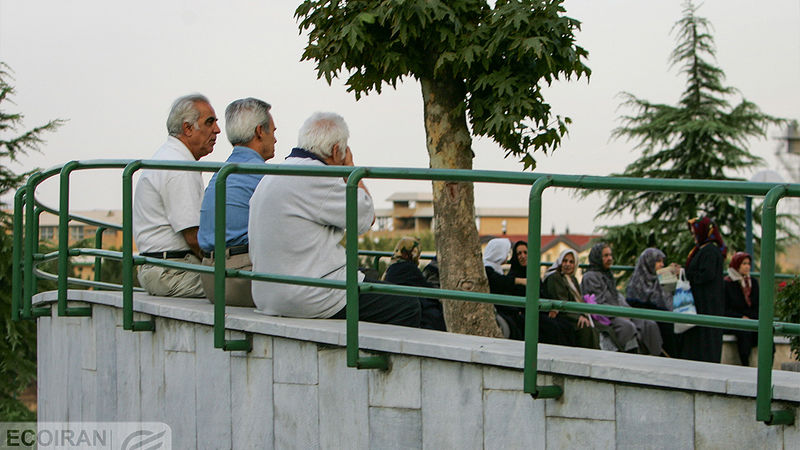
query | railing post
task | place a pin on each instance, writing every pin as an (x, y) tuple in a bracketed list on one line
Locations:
[(98, 261), (351, 234), (766, 311), (16, 255), (220, 212), (127, 253), (63, 245), (30, 239), (532, 294)]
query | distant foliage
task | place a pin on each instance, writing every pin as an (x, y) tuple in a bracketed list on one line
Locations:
[(18, 345), (787, 309), (497, 56), (702, 137)]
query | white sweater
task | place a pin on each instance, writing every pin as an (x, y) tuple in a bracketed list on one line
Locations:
[(295, 226)]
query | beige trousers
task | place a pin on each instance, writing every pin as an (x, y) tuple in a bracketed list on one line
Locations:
[(237, 290), (167, 282)]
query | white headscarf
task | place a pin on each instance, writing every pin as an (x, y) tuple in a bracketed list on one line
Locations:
[(557, 265), (496, 253)]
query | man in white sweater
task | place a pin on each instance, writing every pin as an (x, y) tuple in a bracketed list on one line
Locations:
[(296, 224)]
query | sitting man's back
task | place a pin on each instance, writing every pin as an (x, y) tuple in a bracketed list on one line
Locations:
[(296, 224)]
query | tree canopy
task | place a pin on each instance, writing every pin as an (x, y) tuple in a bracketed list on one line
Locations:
[(496, 57), (702, 137)]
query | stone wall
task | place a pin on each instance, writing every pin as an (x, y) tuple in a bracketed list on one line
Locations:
[(442, 390)]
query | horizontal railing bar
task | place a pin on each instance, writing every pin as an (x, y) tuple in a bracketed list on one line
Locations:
[(81, 282)]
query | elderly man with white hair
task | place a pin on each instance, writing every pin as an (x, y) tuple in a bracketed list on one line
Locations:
[(296, 224), (251, 130), (166, 204)]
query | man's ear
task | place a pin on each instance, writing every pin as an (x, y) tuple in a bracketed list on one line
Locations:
[(336, 153), (188, 129)]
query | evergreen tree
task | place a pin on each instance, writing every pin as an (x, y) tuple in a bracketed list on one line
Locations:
[(702, 137), (18, 344)]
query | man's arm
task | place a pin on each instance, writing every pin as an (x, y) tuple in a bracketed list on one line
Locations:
[(348, 161), (190, 234)]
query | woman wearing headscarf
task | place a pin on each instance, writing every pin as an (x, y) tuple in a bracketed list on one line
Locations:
[(704, 272), (560, 284), (598, 280), (645, 291), (519, 260), (550, 331), (404, 270), (741, 301)]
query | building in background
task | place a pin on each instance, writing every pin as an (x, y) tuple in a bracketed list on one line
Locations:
[(82, 265)]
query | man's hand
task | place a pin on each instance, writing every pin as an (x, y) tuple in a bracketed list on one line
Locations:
[(190, 234)]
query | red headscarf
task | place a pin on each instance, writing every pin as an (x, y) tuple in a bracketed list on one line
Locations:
[(704, 231), (743, 279)]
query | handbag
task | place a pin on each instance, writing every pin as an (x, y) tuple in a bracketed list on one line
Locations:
[(602, 320), (683, 301)]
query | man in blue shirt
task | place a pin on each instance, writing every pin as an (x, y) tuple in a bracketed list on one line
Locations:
[(251, 131)]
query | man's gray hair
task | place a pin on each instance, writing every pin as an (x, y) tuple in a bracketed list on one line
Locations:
[(184, 110), (243, 116), (321, 132)]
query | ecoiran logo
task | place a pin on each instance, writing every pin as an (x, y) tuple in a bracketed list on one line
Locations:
[(86, 435)]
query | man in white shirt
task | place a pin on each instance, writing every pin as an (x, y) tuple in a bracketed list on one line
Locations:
[(296, 224), (166, 204)]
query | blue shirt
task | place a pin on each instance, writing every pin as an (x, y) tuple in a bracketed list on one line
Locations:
[(240, 188)]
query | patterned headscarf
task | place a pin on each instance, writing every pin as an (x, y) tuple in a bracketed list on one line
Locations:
[(704, 231), (743, 279), (496, 253), (407, 249), (644, 283)]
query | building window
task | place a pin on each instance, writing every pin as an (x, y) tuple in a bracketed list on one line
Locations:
[(47, 233), (76, 233)]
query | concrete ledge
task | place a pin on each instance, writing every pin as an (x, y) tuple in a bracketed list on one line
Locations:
[(555, 360)]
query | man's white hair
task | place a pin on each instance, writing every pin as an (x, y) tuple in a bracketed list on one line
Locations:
[(243, 116), (184, 110), (321, 132)]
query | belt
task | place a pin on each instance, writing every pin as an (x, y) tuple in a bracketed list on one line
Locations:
[(230, 251), (170, 254)]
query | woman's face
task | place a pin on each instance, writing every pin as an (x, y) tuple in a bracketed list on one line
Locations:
[(744, 268), (522, 255), (568, 264), (608, 258), (659, 265)]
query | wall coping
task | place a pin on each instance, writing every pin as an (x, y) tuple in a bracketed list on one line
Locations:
[(578, 362)]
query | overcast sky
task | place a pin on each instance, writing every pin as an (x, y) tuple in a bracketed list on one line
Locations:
[(113, 68)]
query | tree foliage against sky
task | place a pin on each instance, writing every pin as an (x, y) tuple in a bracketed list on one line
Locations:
[(18, 344), (497, 57), (480, 67), (703, 137)]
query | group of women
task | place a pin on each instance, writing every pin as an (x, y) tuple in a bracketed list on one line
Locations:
[(735, 295)]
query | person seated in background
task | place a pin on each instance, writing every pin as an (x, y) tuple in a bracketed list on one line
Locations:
[(296, 226), (741, 301), (512, 318), (404, 270), (645, 291), (519, 260), (251, 130), (560, 284), (166, 204), (635, 334)]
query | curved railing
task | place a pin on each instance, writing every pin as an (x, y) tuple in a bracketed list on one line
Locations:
[(26, 256)]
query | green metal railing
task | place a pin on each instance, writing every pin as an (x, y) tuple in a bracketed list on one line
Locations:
[(26, 252)]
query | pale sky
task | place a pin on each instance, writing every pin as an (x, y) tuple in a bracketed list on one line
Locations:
[(113, 68)]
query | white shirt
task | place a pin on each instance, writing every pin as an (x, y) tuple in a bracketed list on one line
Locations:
[(296, 224), (166, 202)]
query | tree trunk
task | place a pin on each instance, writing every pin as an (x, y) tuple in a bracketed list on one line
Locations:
[(460, 264)]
